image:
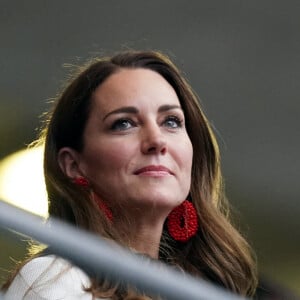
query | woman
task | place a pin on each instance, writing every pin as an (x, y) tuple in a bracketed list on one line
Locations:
[(129, 155)]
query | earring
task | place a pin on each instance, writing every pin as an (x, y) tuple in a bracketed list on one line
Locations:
[(103, 207), (83, 182), (182, 222)]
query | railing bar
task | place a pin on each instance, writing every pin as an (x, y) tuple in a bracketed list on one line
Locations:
[(96, 256)]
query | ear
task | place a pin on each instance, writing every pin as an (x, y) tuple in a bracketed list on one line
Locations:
[(68, 160)]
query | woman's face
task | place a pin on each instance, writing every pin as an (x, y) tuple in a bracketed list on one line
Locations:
[(136, 151)]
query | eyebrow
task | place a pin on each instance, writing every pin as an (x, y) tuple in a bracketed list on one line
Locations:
[(134, 110), (125, 109), (167, 107)]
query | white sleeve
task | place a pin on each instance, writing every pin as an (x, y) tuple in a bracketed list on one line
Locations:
[(51, 278)]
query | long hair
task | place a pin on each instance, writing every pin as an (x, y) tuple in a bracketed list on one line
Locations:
[(218, 252)]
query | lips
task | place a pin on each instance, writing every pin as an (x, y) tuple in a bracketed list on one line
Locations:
[(153, 170)]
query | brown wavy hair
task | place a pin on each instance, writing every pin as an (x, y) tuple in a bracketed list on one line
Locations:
[(218, 252)]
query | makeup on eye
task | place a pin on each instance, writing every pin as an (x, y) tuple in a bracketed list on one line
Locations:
[(173, 122), (122, 124), (168, 116)]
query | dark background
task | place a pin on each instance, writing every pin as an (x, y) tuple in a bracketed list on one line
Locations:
[(241, 57)]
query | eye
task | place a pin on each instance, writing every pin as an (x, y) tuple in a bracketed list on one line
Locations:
[(172, 122), (122, 124)]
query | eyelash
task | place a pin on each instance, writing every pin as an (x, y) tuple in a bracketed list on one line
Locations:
[(118, 125), (177, 120)]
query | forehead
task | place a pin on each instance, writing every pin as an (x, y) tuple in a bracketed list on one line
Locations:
[(134, 87)]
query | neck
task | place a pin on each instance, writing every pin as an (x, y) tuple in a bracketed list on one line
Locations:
[(147, 241), (143, 234)]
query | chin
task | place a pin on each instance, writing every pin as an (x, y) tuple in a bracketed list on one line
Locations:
[(163, 202)]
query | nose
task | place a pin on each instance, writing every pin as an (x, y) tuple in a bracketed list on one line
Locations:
[(153, 141)]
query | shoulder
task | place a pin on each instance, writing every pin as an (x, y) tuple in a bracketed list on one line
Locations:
[(49, 277)]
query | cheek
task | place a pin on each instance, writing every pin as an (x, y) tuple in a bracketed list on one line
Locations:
[(188, 161), (108, 159), (186, 155)]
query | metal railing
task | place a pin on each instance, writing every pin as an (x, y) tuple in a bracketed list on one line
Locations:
[(95, 256)]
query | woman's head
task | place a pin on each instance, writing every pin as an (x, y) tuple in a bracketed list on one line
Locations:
[(136, 153), (70, 127), (218, 251)]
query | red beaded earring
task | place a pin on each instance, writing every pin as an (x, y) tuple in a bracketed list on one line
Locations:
[(81, 181), (103, 207), (182, 222)]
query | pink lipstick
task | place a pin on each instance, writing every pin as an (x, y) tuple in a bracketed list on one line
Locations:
[(153, 170)]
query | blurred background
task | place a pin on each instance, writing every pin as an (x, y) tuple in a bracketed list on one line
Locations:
[(241, 57)]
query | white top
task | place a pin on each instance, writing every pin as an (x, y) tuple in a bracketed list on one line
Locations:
[(49, 277)]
